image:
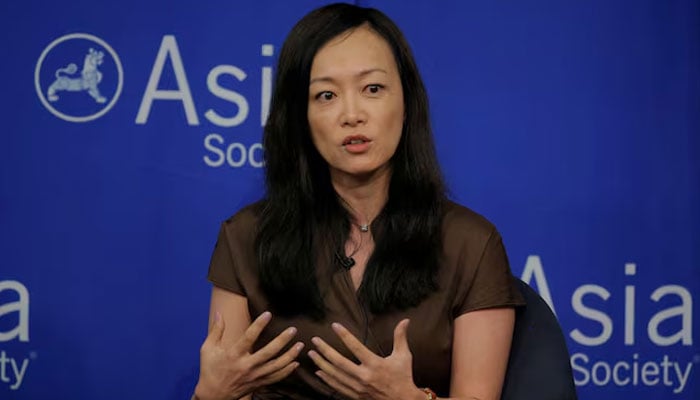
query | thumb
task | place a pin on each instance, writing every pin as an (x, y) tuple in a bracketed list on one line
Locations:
[(401, 337), (216, 332)]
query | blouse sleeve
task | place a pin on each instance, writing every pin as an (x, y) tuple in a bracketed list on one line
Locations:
[(491, 284), (222, 268)]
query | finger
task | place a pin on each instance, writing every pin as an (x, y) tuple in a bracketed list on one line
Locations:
[(401, 337), (337, 385), (355, 346), (335, 358), (273, 348), (276, 376), (253, 332), (279, 362), (331, 370)]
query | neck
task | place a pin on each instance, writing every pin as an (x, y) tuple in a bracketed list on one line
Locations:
[(364, 195)]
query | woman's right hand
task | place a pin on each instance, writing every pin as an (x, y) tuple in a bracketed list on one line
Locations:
[(235, 371)]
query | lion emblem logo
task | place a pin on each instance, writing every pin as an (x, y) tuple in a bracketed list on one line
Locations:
[(89, 78), (77, 94)]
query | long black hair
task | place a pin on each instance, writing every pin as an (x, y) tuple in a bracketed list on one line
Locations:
[(303, 222)]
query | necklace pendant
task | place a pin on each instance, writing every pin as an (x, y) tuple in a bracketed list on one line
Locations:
[(364, 228)]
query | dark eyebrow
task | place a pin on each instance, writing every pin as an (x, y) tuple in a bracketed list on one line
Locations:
[(358, 75)]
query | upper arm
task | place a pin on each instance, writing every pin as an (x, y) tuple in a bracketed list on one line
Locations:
[(480, 349), (233, 309)]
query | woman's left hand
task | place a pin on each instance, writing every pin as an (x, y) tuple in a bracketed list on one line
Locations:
[(378, 378)]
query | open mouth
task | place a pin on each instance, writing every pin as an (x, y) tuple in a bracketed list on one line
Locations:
[(350, 140)]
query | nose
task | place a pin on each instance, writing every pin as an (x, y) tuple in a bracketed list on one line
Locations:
[(353, 112)]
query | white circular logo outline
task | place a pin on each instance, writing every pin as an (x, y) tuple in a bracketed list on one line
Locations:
[(55, 43)]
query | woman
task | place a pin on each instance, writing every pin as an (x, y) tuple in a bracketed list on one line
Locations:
[(354, 239)]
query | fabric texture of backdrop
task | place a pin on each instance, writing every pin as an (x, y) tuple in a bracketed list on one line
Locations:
[(131, 129)]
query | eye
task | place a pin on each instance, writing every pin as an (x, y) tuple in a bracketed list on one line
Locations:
[(374, 88), (325, 95)]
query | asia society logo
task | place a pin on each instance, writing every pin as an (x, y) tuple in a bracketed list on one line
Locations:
[(78, 77), (14, 335)]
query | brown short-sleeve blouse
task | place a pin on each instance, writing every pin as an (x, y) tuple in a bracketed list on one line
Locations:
[(474, 274)]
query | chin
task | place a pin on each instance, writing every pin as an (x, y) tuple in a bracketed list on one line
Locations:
[(364, 171), (360, 170)]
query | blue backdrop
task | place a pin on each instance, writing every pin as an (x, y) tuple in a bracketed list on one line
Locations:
[(573, 126)]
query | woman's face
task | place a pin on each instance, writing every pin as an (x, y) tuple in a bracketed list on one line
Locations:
[(356, 107)]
